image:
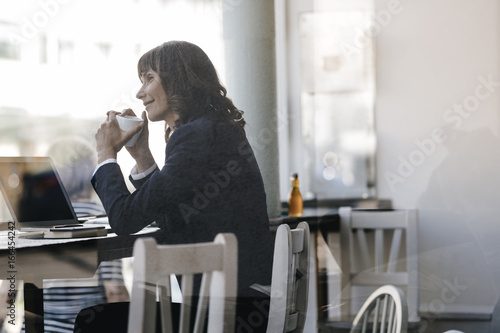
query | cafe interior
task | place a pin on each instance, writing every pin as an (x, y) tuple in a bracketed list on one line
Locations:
[(378, 106)]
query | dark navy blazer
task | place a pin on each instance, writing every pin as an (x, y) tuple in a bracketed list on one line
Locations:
[(210, 183)]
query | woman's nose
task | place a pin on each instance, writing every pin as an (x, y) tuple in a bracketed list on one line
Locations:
[(140, 94)]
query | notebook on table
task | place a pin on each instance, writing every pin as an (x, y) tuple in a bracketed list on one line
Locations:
[(35, 194)]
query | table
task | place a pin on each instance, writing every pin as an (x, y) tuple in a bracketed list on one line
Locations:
[(324, 219), (33, 260)]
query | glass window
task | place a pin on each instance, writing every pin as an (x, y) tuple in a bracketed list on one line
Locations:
[(65, 52), (65, 64), (332, 119), (9, 49)]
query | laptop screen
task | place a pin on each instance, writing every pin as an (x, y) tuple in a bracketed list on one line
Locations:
[(34, 192)]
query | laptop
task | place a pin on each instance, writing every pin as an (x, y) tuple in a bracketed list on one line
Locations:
[(35, 194)]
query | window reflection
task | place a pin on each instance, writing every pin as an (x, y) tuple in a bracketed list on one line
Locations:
[(64, 65), (77, 60), (337, 98)]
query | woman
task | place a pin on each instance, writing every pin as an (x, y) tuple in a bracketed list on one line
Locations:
[(210, 182)]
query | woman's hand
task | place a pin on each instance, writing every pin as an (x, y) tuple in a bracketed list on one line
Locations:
[(110, 138), (140, 151)]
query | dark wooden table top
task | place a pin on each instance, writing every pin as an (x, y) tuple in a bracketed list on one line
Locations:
[(324, 219)]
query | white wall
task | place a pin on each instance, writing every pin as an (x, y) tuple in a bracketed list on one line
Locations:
[(432, 59)]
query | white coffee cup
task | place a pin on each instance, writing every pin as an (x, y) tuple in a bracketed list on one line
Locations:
[(127, 123)]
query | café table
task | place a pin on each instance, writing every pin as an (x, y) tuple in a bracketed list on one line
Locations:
[(30, 261)]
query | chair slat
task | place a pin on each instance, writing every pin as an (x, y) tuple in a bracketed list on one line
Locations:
[(379, 250), (365, 254), (383, 317), (391, 316), (199, 324), (365, 321), (394, 324), (165, 307), (376, 315), (187, 293), (394, 251)]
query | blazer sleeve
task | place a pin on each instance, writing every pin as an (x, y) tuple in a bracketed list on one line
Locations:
[(158, 194)]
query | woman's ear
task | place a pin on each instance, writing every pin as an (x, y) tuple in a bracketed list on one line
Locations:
[(168, 131)]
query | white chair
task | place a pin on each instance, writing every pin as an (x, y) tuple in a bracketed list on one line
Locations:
[(289, 286), (153, 265), (386, 311), (373, 254)]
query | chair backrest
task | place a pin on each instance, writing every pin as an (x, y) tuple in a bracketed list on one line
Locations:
[(290, 286), (153, 266), (386, 311), (373, 254)]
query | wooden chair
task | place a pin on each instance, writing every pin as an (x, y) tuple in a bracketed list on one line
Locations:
[(385, 310), (153, 265), (373, 254), (289, 286)]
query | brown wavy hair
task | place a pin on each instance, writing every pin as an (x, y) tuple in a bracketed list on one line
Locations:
[(191, 84)]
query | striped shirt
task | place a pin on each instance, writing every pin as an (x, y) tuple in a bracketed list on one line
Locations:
[(63, 299)]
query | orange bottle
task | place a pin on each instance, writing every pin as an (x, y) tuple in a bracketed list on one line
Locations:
[(295, 202)]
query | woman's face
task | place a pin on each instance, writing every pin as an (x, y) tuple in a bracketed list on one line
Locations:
[(153, 96)]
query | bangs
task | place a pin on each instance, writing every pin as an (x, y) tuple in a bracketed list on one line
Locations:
[(149, 60)]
